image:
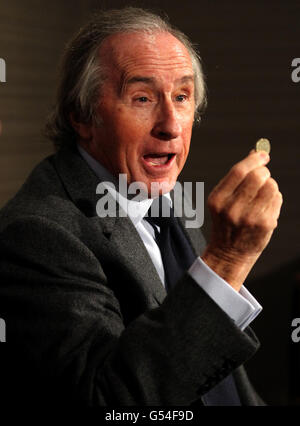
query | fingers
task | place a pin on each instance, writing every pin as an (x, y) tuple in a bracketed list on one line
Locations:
[(251, 185), (238, 178), (264, 209), (248, 195), (240, 170), (272, 209)]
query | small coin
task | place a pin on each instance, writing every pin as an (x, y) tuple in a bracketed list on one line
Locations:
[(263, 145)]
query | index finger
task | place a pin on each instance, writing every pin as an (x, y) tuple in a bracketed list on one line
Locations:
[(240, 170)]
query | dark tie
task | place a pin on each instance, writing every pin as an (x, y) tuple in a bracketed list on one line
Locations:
[(177, 256), (176, 252)]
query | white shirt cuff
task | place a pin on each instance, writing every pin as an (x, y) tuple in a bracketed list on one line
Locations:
[(240, 306)]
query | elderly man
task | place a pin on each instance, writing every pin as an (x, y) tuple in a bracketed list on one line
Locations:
[(127, 310)]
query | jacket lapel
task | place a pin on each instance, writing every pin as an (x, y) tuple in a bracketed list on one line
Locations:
[(125, 243)]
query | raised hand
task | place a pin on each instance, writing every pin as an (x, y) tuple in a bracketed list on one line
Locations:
[(245, 207)]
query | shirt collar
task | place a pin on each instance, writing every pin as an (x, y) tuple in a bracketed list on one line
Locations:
[(136, 210)]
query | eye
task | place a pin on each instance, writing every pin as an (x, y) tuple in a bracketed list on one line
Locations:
[(142, 99), (181, 98)]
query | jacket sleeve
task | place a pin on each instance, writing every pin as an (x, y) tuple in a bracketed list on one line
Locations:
[(66, 339)]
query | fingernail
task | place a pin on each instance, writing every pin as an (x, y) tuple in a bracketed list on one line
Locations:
[(264, 155)]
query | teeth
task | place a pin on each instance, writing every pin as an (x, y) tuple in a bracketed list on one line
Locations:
[(158, 161)]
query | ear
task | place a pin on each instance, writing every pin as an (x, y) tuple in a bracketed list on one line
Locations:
[(84, 130)]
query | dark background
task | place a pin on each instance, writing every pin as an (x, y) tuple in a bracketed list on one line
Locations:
[(247, 48)]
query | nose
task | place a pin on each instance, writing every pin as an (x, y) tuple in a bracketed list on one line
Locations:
[(167, 125)]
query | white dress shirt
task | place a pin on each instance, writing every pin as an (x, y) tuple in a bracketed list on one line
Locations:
[(240, 306)]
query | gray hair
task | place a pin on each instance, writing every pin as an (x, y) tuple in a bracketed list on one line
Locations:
[(82, 73)]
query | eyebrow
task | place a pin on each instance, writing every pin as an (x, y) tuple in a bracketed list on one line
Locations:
[(139, 79), (151, 80), (186, 79)]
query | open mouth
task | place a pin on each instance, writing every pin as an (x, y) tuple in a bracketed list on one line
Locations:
[(158, 159)]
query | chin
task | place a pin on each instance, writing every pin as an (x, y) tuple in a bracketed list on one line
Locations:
[(158, 187), (155, 185)]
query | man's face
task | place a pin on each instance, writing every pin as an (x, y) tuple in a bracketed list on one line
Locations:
[(147, 108)]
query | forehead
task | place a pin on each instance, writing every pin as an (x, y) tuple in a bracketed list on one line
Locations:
[(160, 52)]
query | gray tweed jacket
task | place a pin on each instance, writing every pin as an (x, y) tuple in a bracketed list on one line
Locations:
[(87, 319)]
